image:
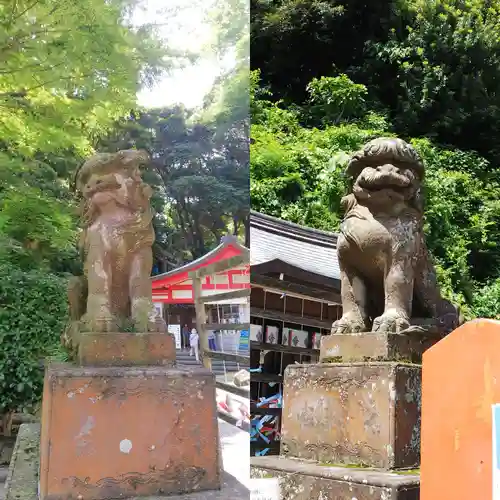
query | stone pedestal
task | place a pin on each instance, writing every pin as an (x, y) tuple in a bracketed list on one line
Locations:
[(124, 432), (377, 346), (23, 477), (353, 414), (300, 480), (126, 349), (351, 424)]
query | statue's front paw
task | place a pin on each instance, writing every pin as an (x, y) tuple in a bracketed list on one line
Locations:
[(393, 321), (348, 324)]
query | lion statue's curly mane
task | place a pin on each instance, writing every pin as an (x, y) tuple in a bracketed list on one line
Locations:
[(117, 177), (388, 281)]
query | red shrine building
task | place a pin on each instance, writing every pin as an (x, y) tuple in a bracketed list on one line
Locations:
[(173, 290)]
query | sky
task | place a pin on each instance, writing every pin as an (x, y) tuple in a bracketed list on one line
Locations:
[(188, 85)]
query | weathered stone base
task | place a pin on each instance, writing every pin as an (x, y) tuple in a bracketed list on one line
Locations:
[(353, 413), (22, 481), (122, 432), (126, 349), (6, 447), (301, 480), (23, 475), (371, 346)]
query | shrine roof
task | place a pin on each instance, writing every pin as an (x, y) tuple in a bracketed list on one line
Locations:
[(229, 247), (302, 247)]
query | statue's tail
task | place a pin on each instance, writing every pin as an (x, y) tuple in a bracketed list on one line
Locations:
[(429, 297)]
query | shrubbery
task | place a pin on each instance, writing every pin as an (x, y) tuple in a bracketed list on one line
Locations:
[(33, 313)]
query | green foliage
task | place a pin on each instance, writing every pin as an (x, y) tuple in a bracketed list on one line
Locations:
[(336, 98), (462, 213), (486, 302), (440, 72), (226, 105), (42, 227), (294, 41), (432, 66), (33, 313), (296, 173), (68, 70)]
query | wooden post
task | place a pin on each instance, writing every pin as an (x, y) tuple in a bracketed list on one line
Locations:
[(201, 321)]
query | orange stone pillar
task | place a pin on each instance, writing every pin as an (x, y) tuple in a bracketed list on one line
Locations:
[(460, 383), (127, 431)]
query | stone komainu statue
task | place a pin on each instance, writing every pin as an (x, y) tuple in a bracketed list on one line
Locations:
[(117, 241), (386, 274)]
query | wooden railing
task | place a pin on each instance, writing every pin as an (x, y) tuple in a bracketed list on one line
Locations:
[(200, 302)]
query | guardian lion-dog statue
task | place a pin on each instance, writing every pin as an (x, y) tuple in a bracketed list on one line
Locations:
[(117, 240), (387, 277)]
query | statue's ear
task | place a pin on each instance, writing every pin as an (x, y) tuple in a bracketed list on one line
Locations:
[(347, 203)]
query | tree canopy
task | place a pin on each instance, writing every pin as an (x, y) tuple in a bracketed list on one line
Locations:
[(70, 88), (68, 70)]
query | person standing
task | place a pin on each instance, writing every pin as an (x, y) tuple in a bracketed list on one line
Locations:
[(211, 340), (194, 340), (185, 337)]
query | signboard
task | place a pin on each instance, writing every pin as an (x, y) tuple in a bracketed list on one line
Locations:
[(244, 338), (496, 451), (175, 330), (265, 489)]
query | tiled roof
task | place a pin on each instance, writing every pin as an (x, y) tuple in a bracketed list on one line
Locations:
[(195, 264), (309, 249)]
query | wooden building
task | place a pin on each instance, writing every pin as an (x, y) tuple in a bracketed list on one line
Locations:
[(295, 297), (173, 293)]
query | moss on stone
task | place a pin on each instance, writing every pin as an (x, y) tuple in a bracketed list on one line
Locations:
[(402, 472), (407, 472), (332, 359), (344, 466), (406, 361)]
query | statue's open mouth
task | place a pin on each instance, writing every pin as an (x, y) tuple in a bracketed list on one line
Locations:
[(377, 181)]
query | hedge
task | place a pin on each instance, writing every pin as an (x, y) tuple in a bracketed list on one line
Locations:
[(33, 314)]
